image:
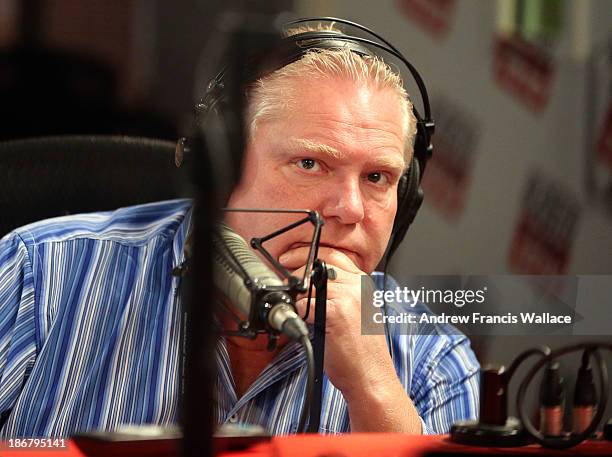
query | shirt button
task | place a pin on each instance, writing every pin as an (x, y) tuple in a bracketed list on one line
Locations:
[(233, 418)]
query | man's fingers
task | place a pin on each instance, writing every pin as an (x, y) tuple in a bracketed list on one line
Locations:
[(301, 306), (299, 273), (294, 258)]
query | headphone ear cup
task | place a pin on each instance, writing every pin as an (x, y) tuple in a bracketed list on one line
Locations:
[(409, 199), (414, 193), (402, 196)]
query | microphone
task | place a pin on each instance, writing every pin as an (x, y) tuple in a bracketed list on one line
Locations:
[(252, 287)]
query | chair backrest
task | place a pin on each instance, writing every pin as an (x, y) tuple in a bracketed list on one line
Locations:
[(54, 176)]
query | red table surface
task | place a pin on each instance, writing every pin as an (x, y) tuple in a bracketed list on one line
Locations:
[(357, 444)]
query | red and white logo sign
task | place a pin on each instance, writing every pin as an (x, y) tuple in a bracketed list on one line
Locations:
[(449, 173), (435, 16), (545, 229), (604, 144), (524, 70)]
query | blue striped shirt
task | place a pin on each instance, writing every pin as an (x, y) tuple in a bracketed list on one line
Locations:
[(89, 337)]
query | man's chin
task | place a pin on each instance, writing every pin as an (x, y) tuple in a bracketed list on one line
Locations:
[(360, 261), (354, 257)]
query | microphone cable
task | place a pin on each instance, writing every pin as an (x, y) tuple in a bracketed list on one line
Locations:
[(296, 329), (310, 366)]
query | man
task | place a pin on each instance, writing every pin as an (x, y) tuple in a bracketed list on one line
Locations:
[(89, 325)]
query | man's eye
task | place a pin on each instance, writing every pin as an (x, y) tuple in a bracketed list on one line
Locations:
[(378, 178), (308, 164)]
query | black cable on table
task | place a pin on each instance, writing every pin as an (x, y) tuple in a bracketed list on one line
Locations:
[(572, 440)]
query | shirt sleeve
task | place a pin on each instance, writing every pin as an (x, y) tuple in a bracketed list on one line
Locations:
[(445, 387), (434, 363), (17, 320)]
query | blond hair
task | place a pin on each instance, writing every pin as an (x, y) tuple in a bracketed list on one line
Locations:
[(274, 94)]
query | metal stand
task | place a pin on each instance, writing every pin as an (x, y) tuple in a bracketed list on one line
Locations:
[(319, 280)]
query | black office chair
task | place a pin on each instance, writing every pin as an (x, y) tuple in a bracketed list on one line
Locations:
[(54, 176)]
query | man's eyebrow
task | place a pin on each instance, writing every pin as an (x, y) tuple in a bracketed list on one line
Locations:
[(303, 144), (398, 164)]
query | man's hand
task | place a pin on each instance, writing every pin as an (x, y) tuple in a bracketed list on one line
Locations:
[(358, 365)]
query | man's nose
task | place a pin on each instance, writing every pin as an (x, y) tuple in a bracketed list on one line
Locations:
[(344, 202)]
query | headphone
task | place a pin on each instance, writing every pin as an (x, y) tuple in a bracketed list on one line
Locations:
[(291, 49)]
